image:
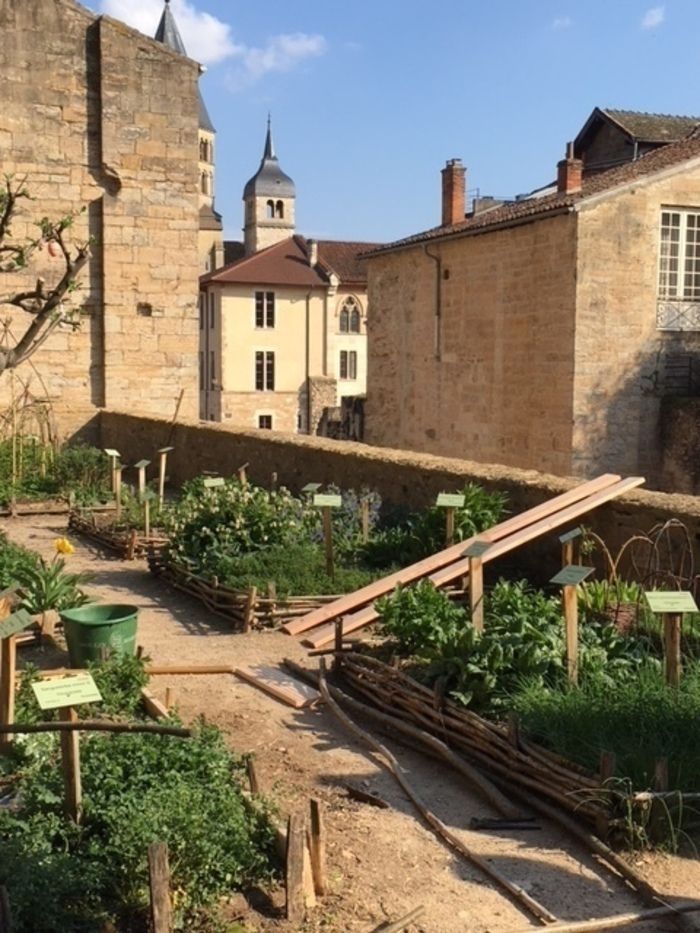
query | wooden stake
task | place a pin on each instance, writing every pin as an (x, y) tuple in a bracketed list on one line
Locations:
[(141, 467), (364, 519), (168, 698), (338, 642), (661, 774), (163, 457), (118, 491), (607, 766), (449, 525), (70, 764), (476, 592), (317, 847), (8, 665), (146, 517), (328, 540), (249, 612), (294, 875), (253, 782), (5, 915), (570, 600), (116, 471), (567, 553), (159, 878), (672, 647)]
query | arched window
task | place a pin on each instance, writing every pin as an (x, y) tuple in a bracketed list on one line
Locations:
[(270, 209), (350, 316), (203, 182), (279, 210), (202, 150)]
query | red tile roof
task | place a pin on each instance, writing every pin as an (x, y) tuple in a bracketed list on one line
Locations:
[(287, 263), (520, 211)]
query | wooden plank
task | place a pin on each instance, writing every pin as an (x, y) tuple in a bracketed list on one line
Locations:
[(460, 568), (70, 765), (154, 707), (621, 920), (317, 847), (159, 880), (294, 873), (8, 665), (351, 602), (189, 669), (279, 685)]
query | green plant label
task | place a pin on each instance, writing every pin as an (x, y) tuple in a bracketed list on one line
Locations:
[(111, 452), (71, 690), (311, 488), (142, 464), (327, 500), (165, 450), (572, 575), (477, 548), (17, 622), (211, 481), (148, 495), (451, 500), (670, 601), (571, 535)]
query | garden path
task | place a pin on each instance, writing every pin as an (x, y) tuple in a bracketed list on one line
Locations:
[(382, 863)]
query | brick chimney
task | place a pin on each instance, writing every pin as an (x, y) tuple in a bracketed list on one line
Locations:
[(453, 185), (569, 172), (312, 252)]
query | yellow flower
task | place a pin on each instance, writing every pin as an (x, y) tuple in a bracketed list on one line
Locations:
[(63, 546)]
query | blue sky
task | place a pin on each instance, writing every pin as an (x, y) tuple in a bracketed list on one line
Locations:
[(369, 99)]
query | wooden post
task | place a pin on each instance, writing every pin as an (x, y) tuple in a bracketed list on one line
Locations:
[(672, 647), (159, 878), (294, 875), (317, 847), (8, 665), (168, 698), (163, 455), (570, 600), (606, 768), (449, 525), (328, 540), (146, 516), (70, 764), (338, 642), (253, 782), (661, 774), (242, 475), (141, 467), (116, 468), (5, 914), (118, 491), (364, 519), (476, 592), (567, 553), (249, 610)]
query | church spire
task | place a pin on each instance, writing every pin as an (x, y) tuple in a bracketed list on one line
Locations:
[(269, 152), (168, 33)]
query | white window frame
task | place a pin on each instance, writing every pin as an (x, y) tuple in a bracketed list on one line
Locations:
[(676, 310), (269, 310), (350, 365), (266, 370), (264, 414)]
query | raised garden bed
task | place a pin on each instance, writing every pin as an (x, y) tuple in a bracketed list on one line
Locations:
[(128, 543)]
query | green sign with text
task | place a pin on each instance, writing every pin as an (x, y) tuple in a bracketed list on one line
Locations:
[(572, 575), (15, 623), (570, 535), (670, 601), (477, 549), (70, 690), (211, 481), (327, 500), (451, 500), (311, 488)]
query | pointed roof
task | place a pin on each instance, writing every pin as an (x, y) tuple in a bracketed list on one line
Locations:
[(269, 180), (168, 33)]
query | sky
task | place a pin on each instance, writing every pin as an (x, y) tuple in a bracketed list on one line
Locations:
[(369, 99)]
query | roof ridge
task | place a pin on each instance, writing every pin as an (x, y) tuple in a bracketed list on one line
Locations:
[(650, 113), (212, 276)]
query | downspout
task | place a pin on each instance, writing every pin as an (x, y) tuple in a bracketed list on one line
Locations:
[(438, 301)]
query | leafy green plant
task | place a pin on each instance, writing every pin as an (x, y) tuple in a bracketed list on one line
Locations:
[(42, 472), (15, 562), (48, 585)]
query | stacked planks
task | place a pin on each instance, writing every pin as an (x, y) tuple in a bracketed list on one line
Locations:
[(357, 609)]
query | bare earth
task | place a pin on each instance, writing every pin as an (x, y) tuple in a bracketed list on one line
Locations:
[(382, 863)]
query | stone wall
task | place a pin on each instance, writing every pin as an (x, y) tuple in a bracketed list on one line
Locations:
[(491, 377), (97, 116), (401, 477), (680, 442)]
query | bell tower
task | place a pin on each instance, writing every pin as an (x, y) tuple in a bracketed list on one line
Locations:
[(269, 199)]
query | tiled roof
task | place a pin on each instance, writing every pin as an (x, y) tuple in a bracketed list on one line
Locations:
[(518, 211), (653, 127), (287, 263), (343, 258)]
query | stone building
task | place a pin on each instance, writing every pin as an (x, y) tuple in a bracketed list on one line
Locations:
[(96, 115), (545, 332)]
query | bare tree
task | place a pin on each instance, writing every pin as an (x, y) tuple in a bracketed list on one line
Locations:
[(49, 304)]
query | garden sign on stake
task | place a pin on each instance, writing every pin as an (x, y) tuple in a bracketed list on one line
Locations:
[(114, 457), (571, 547), (475, 553), (450, 502), (147, 496), (162, 459), (569, 578), (141, 467), (671, 605), (326, 502), (64, 694), (10, 627)]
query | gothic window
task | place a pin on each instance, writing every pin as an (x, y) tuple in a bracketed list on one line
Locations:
[(350, 316), (279, 210)]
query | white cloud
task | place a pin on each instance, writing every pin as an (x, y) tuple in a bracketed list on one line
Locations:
[(206, 38), (653, 17), (562, 22), (280, 54)]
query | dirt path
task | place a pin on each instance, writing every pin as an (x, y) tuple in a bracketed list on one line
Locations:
[(382, 863)]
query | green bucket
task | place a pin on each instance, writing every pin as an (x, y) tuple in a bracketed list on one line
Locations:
[(97, 628)]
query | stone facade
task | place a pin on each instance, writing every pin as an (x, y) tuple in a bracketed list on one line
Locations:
[(90, 118)]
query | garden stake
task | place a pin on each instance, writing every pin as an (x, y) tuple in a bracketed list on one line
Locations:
[(168, 697), (242, 475), (70, 765), (118, 490), (249, 612), (163, 455), (570, 547), (114, 457), (253, 782), (474, 554), (8, 663), (141, 467), (364, 519), (294, 873), (159, 879), (607, 766), (672, 647), (317, 847), (328, 541), (568, 578)]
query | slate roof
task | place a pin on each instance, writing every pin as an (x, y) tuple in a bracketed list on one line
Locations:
[(269, 178), (513, 212), (653, 127), (287, 263)]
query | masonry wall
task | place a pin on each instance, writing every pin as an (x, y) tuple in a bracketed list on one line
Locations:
[(499, 387), (97, 116), (620, 353), (401, 477)]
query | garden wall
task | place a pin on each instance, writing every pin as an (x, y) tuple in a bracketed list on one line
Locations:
[(401, 477)]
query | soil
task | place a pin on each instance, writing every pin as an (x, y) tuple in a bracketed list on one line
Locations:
[(382, 863)]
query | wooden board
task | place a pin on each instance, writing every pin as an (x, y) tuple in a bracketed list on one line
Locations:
[(352, 602), (460, 568), (279, 685)]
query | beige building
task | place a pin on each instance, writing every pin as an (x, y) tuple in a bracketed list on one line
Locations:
[(545, 332), (95, 115)]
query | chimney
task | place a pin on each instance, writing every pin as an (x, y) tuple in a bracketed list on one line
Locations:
[(312, 248), (453, 184), (569, 172)]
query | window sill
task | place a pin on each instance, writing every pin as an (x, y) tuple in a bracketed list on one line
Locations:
[(678, 315)]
